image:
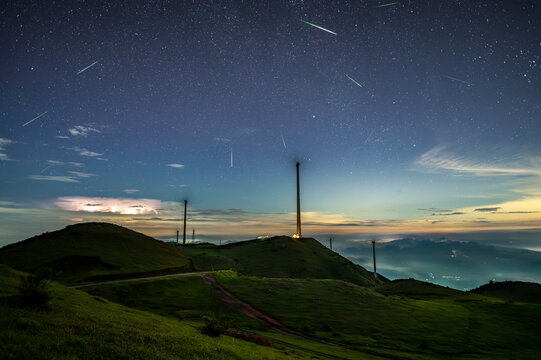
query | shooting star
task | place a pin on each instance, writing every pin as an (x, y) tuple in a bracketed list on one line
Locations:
[(37, 117), (231, 157), (319, 27), (283, 141), (385, 5), (356, 83), (455, 79), (88, 67)]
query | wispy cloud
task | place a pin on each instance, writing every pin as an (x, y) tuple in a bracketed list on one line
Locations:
[(73, 177), (130, 191), (60, 163), (176, 166), (70, 179), (3, 144), (85, 152), (488, 209), (80, 130), (222, 139), (81, 174), (440, 159)]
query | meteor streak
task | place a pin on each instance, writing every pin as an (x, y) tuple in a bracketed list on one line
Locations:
[(319, 27), (231, 157), (88, 67), (455, 79), (356, 83), (385, 5), (283, 141), (37, 117)]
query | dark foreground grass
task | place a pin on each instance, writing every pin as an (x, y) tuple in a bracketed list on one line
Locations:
[(460, 325), (76, 325)]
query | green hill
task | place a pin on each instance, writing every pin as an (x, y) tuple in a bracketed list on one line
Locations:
[(511, 291), (95, 251), (279, 257), (416, 289), (75, 325), (460, 326), (99, 251), (430, 322)]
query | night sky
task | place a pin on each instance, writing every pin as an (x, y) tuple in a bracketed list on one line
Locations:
[(420, 117)]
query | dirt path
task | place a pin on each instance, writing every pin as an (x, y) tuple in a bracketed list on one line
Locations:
[(249, 310), (134, 279), (238, 304)]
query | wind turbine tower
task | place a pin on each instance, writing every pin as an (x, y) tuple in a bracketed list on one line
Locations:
[(184, 235), (374, 256), (298, 235)]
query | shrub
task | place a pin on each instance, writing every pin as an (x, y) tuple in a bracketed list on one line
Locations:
[(34, 291), (213, 328)]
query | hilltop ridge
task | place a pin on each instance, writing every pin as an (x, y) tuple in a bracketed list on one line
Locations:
[(95, 251)]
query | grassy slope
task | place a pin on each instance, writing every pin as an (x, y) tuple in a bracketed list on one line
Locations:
[(280, 257), (183, 297), (465, 325), (512, 291), (190, 299), (81, 326), (127, 250)]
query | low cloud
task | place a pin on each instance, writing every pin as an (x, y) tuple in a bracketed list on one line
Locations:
[(458, 264), (109, 205)]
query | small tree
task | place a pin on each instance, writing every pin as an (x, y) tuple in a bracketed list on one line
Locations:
[(34, 290)]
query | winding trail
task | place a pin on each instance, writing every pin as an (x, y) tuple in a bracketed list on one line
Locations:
[(134, 279)]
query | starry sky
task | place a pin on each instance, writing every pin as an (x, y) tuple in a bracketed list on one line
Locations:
[(418, 117)]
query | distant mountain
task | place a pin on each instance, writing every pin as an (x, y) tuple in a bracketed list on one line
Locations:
[(279, 257), (461, 265), (512, 291), (92, 251)]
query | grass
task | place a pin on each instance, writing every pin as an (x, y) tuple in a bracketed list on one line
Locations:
[(76, 325), (279, 257), (182, 297), (461, 325), (94, 250)]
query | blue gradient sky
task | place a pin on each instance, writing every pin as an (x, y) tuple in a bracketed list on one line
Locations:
[(446, 119)]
